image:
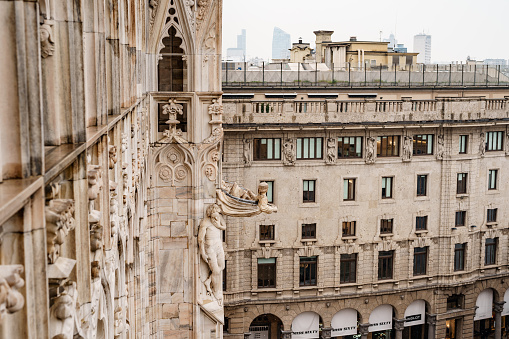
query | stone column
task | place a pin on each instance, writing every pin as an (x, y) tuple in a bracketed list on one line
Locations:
[(326, 333), (432, 322), (498, 308), (287, 334), (399, 326), (363, 329)]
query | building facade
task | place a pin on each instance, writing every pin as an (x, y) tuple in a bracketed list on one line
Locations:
[(391, 219), (238, 54), (281, 44), (422, 45)]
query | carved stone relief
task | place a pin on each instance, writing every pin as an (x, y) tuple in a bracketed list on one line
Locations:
[(370, 150), (63, 313), (289, 152), (440, 147), (248, 151), (407, 148), (112, 154), (59, 222), (331, 151), (11, 300), (47, 42), (482, 144)]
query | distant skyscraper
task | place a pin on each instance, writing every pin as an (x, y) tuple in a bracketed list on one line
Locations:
[(238, 53), (281, 44), (392, 41), (422, 45)]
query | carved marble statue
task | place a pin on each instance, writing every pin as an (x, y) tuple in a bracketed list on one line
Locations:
[(331, 151), (289, 152), (248, 143), (59, 222), (482, 144), (407, 148), (211, 249), (440, 147), (112, 153), (63, 313), (370, 150), (47, 42)]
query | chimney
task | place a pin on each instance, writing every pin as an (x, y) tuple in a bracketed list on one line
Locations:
[(300, 40), (353, 38)]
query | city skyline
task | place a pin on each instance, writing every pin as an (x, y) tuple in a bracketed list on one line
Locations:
[(464, 21)]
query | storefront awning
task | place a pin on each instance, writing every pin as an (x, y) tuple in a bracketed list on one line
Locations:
[(415, 313), (381, 318), (484, 305), (344, 323), (305, 326)]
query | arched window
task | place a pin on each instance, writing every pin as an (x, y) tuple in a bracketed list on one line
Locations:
[(172, 68)]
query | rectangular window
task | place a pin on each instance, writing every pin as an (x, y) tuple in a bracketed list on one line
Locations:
[(459, 257), (386, 226), (266, 232), (266, 273), (490, 257), (420, 260), (422, 181), (460, 218), (492, 179), (349, 189), (309, 191), (350, 147), (454, 302), (270, 191), (309, 148), (423, 144), (267, 149), (348, 228), (385, 264), (308, 231), (463, 144), (461, 187), (386, 187), (492, 215), (348, 268), (421, 223), (308, 271), (494, 141), (388, 146)]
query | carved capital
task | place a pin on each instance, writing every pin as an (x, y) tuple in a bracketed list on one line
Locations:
[(10, 281)]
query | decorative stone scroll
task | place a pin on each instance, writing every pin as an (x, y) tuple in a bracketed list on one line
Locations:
[(370, 150), (59, 222), (11, 300)]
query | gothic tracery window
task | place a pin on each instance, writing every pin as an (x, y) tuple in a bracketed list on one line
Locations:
[(172, 67)]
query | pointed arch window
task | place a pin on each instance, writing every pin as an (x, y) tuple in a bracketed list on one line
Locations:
[(172, 68)]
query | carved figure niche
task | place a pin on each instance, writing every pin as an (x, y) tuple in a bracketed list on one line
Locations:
[(172, 66)]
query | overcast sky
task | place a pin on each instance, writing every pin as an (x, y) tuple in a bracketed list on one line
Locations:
[(458, 28)]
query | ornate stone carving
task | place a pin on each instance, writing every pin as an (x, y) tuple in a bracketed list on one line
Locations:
[(10, 281), (114, 217), (47, 42), (407, 148), (96, 237), (244, 205), (63, 313), (440, 147), (173, 110), (125, 142), (172, 167), (118, 324), (94, 186), (112, 153), (482, 144), (59, 222), (216, 112), (288, 152), (95, 269), (331, 151), (211, 250), (202, 9), (248, 151), (370, 150), (216, 136)]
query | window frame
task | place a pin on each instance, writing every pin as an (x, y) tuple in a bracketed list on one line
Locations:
[(493, 137), (357, 144), (308, 196), (460, 218), (304, 273), (265, 268), (383, 151), (463, 144), (317, 148), (460, 251), (257, 149), (308, 231), (418, 223), (270, 190), (348, 268), (490, 251), (491, 215), (391, 188), (349, 189), (387, 226), (492, 182), (422, 186), (420, 267), (348, 226), (423, 138), (386, 257), (462, 184), (271, 229)]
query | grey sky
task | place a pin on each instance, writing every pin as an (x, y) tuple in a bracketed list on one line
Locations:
[(458, 27)]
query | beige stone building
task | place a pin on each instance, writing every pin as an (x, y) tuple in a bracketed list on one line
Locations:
[(392, 218)]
